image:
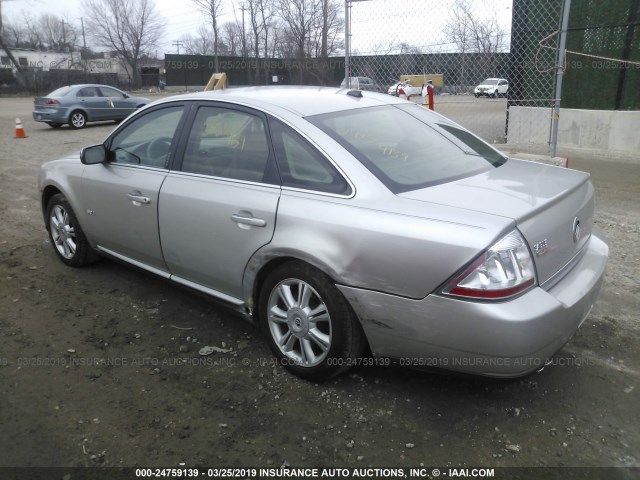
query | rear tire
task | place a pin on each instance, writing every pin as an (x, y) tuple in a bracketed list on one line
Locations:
[(77, 119), (308, 323), (54, 125), (66, 235)]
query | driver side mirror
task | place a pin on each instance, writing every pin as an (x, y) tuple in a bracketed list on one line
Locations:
[(125, 95), (93, 155)]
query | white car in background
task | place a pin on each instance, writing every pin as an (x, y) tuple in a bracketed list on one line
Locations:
[(492, 87), (404, 88)]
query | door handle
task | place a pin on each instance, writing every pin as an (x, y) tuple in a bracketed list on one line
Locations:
[(254, 222), (138, 199)]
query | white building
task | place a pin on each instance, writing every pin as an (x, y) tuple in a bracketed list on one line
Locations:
[(38, 60)]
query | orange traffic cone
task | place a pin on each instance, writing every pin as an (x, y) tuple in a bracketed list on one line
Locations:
[(19, 129)]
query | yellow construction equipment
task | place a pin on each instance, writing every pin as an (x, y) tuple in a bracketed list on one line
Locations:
[(218, 81), (418, 80)]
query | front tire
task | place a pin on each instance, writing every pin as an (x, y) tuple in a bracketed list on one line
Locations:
[(66, 235), (308, 323), (77, 119), (54, 125)]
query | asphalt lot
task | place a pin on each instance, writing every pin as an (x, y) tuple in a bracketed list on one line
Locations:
[(99, 366)]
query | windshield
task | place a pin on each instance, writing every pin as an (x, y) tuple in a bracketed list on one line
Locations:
[(490, 81), (407, 147), (60, 92)]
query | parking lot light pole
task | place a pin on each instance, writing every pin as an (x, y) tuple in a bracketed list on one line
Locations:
[(347, 45), (347, 40), (555, 118)]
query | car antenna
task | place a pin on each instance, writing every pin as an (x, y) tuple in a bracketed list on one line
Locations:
[(355, 93)]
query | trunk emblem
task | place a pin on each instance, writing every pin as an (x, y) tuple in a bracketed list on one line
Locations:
[(576, 230), (540, 248)]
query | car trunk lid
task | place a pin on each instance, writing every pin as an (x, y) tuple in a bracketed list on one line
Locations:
[(553, 208)]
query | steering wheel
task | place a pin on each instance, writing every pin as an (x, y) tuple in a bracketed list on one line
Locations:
[(158, 151)]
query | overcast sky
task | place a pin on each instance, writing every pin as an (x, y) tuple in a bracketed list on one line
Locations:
[(181, 15), (404, 24)]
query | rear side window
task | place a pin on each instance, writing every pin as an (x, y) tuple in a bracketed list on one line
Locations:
[(60, 92), (301, 165), (229, 143), (88, 92), (407, 147)]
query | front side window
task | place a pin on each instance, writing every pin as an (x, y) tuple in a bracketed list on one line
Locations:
[(407, 147), (301, 165), (110, 92), (147, 140), (230, 144)]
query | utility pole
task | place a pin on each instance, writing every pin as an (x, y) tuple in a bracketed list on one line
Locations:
[(84, 40), (64, 35), (83, 55), (555, 118), (177, 43), (244, 38)]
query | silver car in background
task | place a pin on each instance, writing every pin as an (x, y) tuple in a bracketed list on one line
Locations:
[(77, 105), (342, 222)]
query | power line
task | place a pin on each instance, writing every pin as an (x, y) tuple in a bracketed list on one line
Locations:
[(178, 43)]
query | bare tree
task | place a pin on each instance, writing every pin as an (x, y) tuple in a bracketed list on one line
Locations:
[(213, 9), (57, 33), (332, 26), (471, 33), (199, 44), (129, 28), (265, 8), (299, 17), (232, 37), (5, 47), (256, 30)]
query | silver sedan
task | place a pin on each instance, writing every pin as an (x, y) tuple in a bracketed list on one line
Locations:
[(344, 223), (77, 105)]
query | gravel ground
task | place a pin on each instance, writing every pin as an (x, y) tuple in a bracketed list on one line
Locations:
[(100, 366)]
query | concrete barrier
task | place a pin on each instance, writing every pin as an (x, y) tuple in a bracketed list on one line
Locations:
[(614, 133)]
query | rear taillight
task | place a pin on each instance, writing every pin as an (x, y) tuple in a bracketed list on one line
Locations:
[(53, 101), (502, 271)]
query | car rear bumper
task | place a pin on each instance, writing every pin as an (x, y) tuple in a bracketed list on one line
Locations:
[(503, 339), (50, 115)]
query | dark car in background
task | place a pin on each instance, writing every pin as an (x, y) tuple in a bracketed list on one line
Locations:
[(78, 104)]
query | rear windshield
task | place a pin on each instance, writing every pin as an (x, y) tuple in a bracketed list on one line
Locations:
[(490, 81), (60, 92), (407, 147)]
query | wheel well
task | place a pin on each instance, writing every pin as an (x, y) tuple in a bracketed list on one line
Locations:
[(262, 274), (272, 265), (78, 110), (49, 191)]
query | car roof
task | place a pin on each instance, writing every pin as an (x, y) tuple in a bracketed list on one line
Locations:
[(82, 85), (302, 101)]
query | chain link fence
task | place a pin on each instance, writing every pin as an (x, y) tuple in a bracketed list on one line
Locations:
[(484, 58)]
